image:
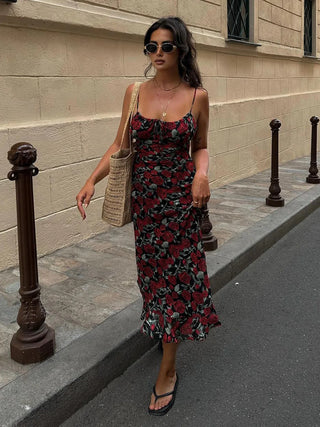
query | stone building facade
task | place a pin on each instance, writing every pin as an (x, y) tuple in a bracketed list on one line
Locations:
[(64, 68)]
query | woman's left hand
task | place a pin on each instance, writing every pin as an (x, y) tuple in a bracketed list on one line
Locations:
[(200, 190)]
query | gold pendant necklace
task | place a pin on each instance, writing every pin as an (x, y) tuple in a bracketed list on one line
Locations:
[(164, 109)]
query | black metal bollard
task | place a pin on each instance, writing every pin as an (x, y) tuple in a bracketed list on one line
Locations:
[(210, 242), (313, 177), (274, 198), (34, 341)]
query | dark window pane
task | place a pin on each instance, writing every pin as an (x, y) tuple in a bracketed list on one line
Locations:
[(308, 27), (238, 19)]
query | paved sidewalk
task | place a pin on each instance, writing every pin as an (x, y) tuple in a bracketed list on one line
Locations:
[(92, 301)]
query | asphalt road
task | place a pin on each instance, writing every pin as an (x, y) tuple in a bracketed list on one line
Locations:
[(260, 368)]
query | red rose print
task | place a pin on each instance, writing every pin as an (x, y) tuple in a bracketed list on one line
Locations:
[(213, 319), (153, 286), (194, 258), (185, 243), (180, 176), (179, 306), (157, 180), (174, 251), (169, 299), (162, 193), (168, 236), (183, 127), (147, 175), (157, 232), (174, 226), (190, 166), (171, 268), (148, 297), (138, 187), (150, 203), (164, 263), (149, 249), (186, 295), (186, 329), (184, 277), (202, 264), (207, 311), (166, 173), (148, 271), (152, 262), (198, 297), (172, 280), (161, 321), (162, 282), (195, 237)]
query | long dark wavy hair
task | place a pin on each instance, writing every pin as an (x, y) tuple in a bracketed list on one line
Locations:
[(182, 38)]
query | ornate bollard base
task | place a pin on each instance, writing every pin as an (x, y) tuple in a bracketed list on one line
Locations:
[(210, 242), (313, 179), (32, 352), (274, 202)]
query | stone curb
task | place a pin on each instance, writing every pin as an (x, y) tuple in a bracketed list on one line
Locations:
[(52, 391)]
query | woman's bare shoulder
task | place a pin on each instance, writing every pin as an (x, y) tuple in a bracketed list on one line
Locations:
[(202, 93), (202, 98), (129, 89)]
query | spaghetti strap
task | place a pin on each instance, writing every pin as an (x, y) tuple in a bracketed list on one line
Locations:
[(194, 97)]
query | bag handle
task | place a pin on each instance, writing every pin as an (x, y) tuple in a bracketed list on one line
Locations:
[(133, 101)]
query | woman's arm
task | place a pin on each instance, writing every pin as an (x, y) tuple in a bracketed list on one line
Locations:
[(85, 194), (199, 152)]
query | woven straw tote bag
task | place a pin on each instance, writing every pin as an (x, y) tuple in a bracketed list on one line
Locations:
[(116, 209)]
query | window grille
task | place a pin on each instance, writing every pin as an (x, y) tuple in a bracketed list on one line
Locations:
[(238, 19), (308, 27)]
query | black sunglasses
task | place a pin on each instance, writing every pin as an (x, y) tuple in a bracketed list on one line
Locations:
[(152, 47)]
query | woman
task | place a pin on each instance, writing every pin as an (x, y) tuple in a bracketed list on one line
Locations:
[(169, 187)]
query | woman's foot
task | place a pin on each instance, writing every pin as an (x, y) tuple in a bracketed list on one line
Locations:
[(165, 384)]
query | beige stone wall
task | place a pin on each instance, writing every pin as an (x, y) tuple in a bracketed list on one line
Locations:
[(280, 22), (63, 72)]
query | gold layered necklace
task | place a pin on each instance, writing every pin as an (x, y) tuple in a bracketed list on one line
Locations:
[(164, 108)]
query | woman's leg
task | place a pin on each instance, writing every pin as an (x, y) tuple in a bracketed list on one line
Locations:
[(167, 375)]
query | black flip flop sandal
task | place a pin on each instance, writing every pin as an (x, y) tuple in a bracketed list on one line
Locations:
[(166, 408)]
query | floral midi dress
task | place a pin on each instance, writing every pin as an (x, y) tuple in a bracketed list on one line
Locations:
[(172, 273)]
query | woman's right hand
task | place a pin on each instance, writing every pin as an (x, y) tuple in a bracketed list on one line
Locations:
[(84, 197)]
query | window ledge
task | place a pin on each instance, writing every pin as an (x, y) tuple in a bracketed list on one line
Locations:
[(245, 42), (311, 57)]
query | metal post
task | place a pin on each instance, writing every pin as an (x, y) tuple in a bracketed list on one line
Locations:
[(313, 177), (274, 198), (34, 341), (210, 242)]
